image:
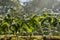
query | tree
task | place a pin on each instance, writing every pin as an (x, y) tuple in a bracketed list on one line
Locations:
[(6, 5), (36, 6)]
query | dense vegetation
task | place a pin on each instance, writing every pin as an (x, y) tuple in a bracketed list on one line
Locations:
[(43, 24)]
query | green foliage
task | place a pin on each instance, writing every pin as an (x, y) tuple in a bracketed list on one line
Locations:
[(29, 24)]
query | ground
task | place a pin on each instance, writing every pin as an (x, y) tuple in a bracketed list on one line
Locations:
[(36, 37)]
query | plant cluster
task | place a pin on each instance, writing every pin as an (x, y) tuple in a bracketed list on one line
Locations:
[(30, 24)]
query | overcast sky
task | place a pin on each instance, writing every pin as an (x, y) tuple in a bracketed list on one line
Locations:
[(25, 0), (22, 0)]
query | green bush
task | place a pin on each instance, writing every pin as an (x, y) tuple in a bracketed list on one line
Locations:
[(29, 24)]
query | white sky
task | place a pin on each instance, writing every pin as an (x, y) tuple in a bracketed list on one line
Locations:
[(21, 1), (24, 0)]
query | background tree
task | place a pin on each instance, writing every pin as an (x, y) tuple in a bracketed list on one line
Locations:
[(36, 6), (7, 5)]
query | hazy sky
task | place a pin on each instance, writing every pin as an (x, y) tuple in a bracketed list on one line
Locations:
[(23, 0)]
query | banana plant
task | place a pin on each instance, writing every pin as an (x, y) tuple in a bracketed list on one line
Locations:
[(1, 26), (5, 27), (29, 23), (51, 22)]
